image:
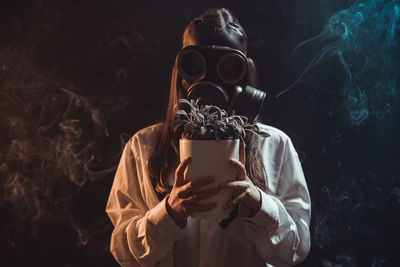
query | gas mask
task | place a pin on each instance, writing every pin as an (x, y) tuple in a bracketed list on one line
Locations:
[(217, 75), (214, 70)]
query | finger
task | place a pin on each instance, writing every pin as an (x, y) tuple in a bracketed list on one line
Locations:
[(242, 153), (185, 178), (203, 195), (235, 201), (208, 193), (179, 178), (241, 169), (235, 185), (193, 185)]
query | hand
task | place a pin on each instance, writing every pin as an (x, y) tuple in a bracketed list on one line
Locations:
[(243, 189), (184, 195)]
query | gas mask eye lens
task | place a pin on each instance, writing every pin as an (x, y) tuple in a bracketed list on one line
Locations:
[(231, 68), (191, 64)]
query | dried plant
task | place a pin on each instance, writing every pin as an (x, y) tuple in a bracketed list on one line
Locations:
[(209, 122)]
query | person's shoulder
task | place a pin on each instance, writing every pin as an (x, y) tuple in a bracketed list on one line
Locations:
[(148, 135), (276, 140), (273, 133), (150, 131)]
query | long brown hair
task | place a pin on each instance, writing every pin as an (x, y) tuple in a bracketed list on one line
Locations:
[(163, 159)]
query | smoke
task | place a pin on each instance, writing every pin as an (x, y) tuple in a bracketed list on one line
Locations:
[(359, 63), (364, 40), (48, 148), (70, 70), (342, 260)]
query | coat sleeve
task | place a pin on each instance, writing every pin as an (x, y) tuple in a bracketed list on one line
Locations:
[(280, 229), (142, 236)]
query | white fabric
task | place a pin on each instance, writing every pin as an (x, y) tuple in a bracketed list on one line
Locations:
[(145, 235)]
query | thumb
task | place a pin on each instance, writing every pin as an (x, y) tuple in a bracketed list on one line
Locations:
[(242, 153)]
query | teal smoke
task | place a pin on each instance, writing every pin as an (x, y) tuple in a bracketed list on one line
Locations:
[(364, 38)]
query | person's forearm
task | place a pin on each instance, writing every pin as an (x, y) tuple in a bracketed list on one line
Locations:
[(278, 237), (145, 239)]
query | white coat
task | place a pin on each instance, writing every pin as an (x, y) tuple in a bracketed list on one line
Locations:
[(145, 235)]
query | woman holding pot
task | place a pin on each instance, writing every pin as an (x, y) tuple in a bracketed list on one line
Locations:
[(151, 199)]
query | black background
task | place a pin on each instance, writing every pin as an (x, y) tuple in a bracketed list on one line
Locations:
[(79, 77)]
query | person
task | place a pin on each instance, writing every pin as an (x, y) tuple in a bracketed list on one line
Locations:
[(151, 200)]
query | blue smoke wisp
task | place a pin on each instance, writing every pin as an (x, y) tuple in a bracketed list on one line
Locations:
[(364, 39)]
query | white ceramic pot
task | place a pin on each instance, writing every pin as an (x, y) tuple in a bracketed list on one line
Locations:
[(211, 157)]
